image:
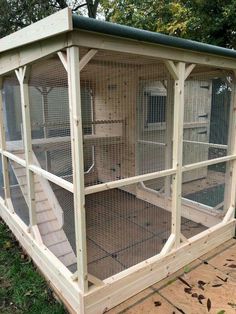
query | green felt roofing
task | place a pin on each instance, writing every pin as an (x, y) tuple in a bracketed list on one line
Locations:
[(89, 24)]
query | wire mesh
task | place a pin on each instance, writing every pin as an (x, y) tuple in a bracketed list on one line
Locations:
[(124, 99), (50, 121), (126, 103), (206, 118), (19, 190), (1, 180), (124, 229), (55, 220), (206, 128), (12, 115)]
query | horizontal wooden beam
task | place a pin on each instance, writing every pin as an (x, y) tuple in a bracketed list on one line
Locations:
[(101, 41), (209, 162), (221, 146), (40, 172), (13, 59), (128, 181)]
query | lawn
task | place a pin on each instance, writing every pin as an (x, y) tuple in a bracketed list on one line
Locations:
[(22, 288)]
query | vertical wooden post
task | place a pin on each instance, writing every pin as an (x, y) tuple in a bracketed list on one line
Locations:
[(169, 133), (23, 77), (230, 176), (78, 164), (5, 166), (179, 76)]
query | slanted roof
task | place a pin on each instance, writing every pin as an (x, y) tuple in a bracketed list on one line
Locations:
[(64, 21)]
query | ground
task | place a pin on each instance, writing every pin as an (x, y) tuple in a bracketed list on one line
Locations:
[(206, 286), (22, 288)]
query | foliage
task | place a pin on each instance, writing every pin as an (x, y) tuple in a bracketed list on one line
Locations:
[(22, 289), (209, 21), (16, 14)]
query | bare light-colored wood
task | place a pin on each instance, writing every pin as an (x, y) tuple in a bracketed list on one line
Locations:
[(50, 26), (178, 150), (23, 76), (78, 166), (139, 277), (230, 186), (86, 58), (49, 215), (3, 146)]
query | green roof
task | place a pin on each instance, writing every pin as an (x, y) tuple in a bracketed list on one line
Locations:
[(89, 24)]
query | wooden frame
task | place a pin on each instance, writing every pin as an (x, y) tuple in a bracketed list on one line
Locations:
[(17, 55)]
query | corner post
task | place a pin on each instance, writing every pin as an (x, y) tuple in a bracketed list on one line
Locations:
[(178, 72), (23, 78), (5, 166), (230, 184), (73, 65)]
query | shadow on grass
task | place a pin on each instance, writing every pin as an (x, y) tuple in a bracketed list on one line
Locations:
[(22, 289)]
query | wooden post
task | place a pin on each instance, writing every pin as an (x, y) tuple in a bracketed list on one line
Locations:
[(169, 134), (78, 164), (178, 73), (230, 176), (23, 77), (5, 166)]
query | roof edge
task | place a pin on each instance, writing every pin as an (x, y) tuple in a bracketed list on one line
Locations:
[(108, 28), (57, 23)]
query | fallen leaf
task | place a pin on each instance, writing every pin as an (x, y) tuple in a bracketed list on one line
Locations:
[(200, 298), (208, 305), (195, 295), (225, 280), (185, 282), (188, 290), (221, 312), (217, 285), (232, 265), (200, 282)]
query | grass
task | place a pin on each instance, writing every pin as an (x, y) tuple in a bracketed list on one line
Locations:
[(22, 288)]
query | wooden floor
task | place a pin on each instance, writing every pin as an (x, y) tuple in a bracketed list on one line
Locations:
[(208, 285)]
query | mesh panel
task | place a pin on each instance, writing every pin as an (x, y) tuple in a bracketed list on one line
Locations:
[(50, 123), (124, 104), (12, 115), (208, 194), (206, 124), (123, 229), (18, 190), (1, 180), (206, 119)]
